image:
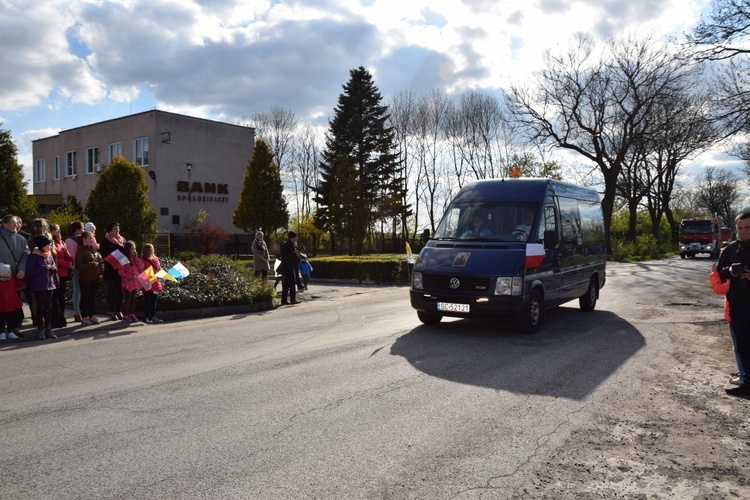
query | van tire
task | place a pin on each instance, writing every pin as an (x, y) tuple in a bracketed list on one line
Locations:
[(428, 318), (587, 301), (533, 313)]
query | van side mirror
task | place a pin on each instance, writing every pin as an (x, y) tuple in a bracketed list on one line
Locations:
[(550, 240)]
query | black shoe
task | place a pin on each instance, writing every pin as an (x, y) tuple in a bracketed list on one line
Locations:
[(50, 335), (284, 302), (296, 302), (40, 336), (743, 390)]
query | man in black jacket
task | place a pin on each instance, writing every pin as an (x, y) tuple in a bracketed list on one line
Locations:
[(734, 265), (289, 260)]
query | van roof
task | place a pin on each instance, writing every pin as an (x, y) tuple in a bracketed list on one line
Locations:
[(524, 189)]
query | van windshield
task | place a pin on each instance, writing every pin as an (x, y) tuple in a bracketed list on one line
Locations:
[(488, 222)]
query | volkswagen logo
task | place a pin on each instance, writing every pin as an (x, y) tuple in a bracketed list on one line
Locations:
[(454, 283)]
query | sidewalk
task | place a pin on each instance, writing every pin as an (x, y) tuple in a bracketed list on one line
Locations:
[(317, 290)]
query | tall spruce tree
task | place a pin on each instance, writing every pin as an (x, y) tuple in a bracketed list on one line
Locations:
[(348, 209), (13, 196), (262, 205), (358, 131)]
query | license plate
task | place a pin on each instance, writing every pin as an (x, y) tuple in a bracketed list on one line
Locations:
[(448, 306)]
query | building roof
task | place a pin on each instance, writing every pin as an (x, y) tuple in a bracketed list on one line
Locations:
[(142, 113)]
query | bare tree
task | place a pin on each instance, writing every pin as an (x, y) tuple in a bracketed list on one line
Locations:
[(724, 37), (304, 171), (401, 110), (725, 34), (428, 132), (277, 128), (598, 106), (718, 193), (475, 132), (683, 131)]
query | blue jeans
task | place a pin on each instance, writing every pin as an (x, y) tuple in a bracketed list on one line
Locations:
[(737, 358), (149, 304)]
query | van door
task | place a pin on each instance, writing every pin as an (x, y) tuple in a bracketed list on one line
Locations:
[(549, 236), (575, 275)]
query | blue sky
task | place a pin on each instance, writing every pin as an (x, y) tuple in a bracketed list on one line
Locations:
[(74, 62)]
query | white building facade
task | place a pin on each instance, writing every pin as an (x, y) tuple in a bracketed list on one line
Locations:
[(190, 164)]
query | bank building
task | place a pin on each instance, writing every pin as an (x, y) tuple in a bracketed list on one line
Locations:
[(190, 164)]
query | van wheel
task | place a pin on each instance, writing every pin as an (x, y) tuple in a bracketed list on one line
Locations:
[(682, 255), (429, 319), (588, 300), (533, 313)]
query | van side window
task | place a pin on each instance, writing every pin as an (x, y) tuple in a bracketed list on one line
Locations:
[(548, 222), (592, 225), (571, 222)]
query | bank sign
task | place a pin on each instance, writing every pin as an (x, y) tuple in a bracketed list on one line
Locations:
[(202, 191)]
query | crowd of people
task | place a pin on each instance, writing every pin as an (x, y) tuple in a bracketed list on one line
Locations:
[(39, 267), (293, 270)]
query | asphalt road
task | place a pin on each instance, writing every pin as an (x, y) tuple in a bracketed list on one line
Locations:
[(346, 395)]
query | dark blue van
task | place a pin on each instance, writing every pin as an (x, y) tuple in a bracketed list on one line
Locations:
[(512, 249)]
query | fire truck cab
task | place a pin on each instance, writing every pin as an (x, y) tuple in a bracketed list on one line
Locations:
[(700, 236)]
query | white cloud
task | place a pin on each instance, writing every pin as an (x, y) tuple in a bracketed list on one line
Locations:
[(228, 58)]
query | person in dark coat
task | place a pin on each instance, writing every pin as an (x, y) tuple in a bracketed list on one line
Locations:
[(289, 262), (734, 266), (112, 241)]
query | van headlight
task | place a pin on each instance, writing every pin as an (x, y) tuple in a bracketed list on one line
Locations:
[(709, 247), (416, 280), (509, 286)]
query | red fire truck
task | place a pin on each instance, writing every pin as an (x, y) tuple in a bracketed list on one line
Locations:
[(700, 236), (726, 236)]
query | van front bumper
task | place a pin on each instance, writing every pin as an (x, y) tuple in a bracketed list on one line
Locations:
[(496, 306)]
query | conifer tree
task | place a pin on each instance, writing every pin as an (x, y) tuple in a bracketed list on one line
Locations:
[(262, 205), (358, 131), (348, 209), (14, 198), (120, 194)]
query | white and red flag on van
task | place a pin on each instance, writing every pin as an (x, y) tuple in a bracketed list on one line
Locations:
[(534, 254)]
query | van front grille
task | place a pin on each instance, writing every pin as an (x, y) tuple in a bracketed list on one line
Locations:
[(467, 284)]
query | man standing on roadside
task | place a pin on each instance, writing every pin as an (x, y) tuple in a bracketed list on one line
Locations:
[(289, 260), (734, 265)]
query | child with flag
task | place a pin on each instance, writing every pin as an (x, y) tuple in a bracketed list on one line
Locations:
[(130, 283), (150, 261)]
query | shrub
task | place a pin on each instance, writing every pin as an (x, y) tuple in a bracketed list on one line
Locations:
[(213, 281), (185, 255), (387, 268)]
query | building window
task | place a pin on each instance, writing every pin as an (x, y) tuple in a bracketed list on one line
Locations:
[(141, 151), (39, 170), (115, 150), (56, 173), (92, 160), (164, 210), (70, 163)]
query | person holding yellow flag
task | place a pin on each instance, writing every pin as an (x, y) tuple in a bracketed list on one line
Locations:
[(151, 262)]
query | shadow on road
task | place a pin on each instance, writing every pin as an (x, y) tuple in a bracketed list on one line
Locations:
[(568, 358)]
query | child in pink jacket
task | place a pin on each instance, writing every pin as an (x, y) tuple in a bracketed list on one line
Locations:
[(721, 289), (130, 283)]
